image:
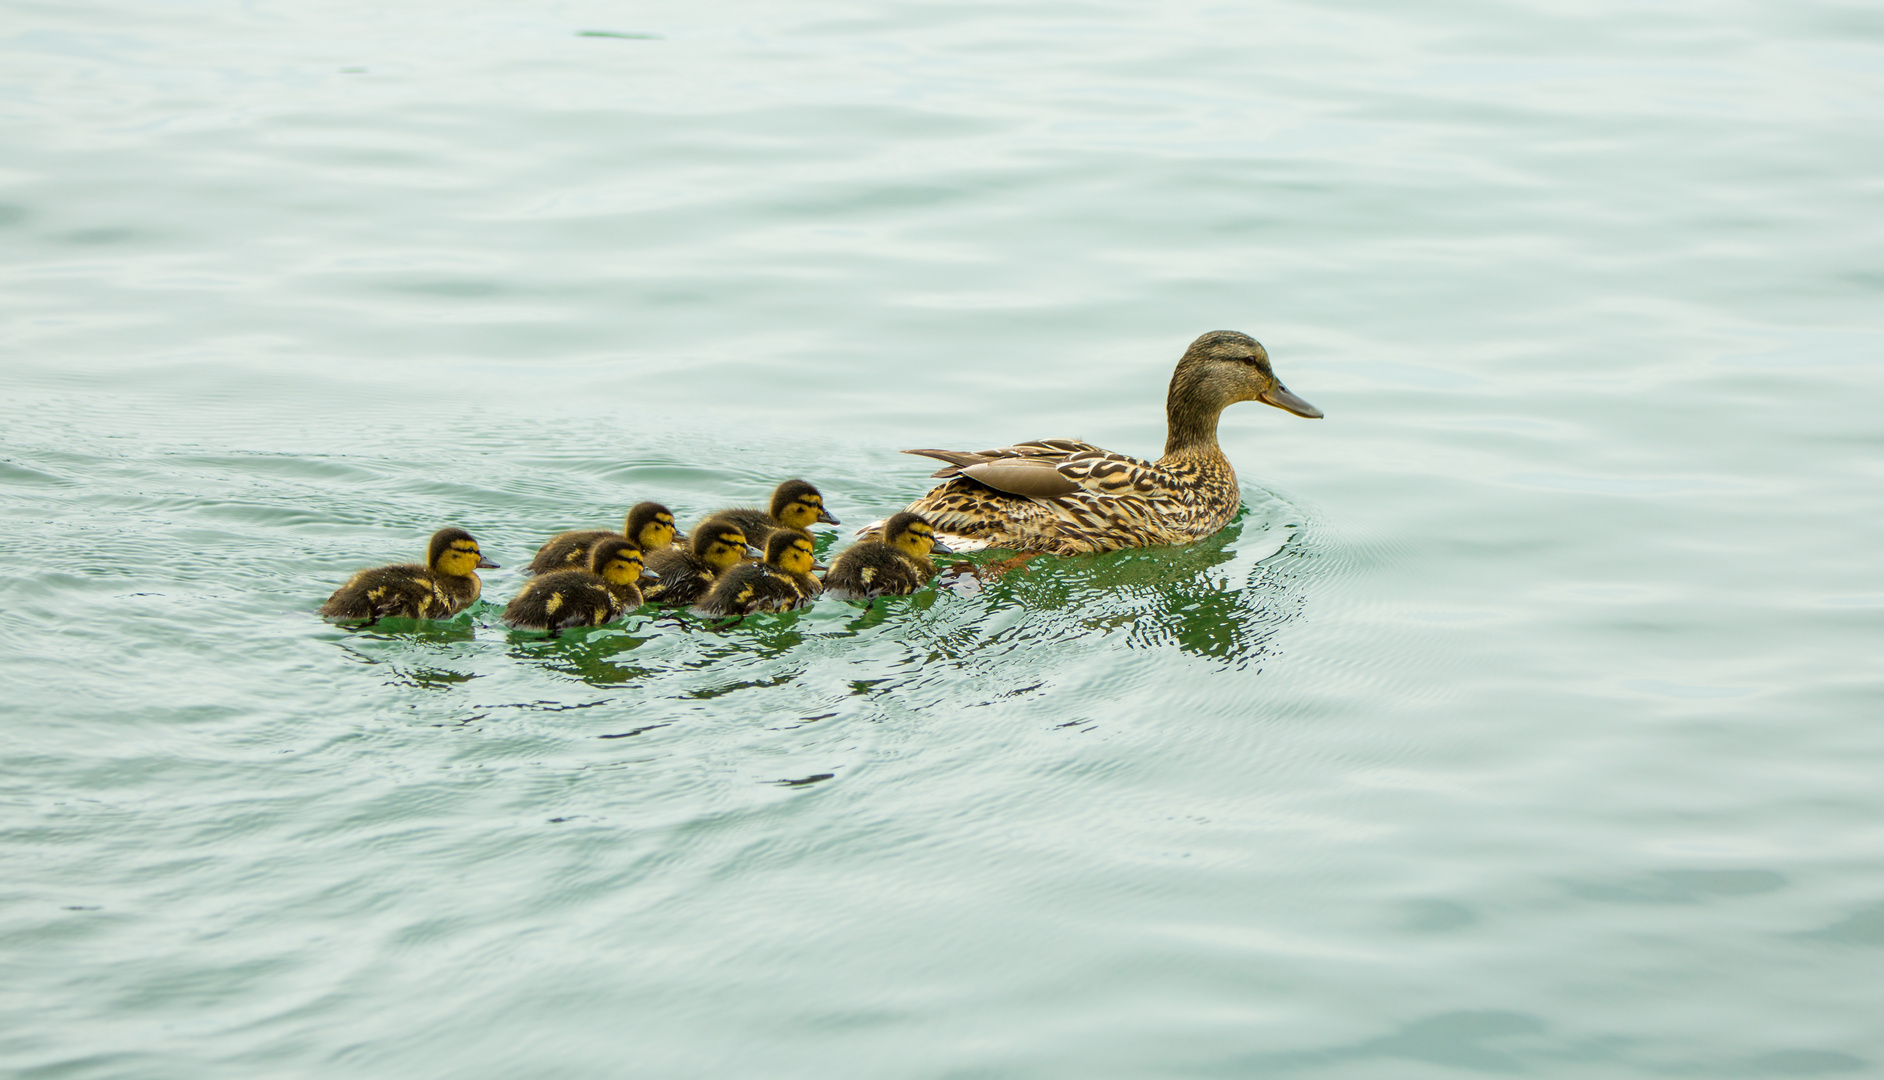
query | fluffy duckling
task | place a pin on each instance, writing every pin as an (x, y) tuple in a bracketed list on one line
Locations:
[(607, 590), (780, 583), (896, 565), (649, 525), (795, 505), (446, 585), (682, 577)]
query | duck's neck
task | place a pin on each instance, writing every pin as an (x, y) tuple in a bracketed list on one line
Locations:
[(1190, 428)]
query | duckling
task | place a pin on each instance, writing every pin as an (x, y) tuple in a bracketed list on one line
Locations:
[(446, 585), (795, 505), (607, 590), (780, 583), (685, 576), (896, 565), (1064, 497), (649, 524)]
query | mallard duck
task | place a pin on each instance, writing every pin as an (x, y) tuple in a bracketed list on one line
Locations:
[(561, 599), (795, 505), (896, 565), (1063, 496), (780, 583), (685, 576), (649, 525), (447, 584)]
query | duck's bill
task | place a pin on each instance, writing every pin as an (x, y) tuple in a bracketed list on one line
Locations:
[(827, 517), (486, 564), (938, 546), (755, 551), (820, 567), (649, 575), (1279, 396)]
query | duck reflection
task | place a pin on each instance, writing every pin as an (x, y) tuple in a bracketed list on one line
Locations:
[(1205, 598)]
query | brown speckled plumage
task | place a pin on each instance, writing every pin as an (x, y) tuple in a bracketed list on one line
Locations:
[(1065, 497)]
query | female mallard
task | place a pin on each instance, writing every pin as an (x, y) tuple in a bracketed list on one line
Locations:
[(683, 577), (649, 525), (795, 505), (1063, 497), (561, 599), (447, 584), (780, 583), (896, 565)]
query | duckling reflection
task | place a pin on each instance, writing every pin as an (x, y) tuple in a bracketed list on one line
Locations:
[(595, 658)]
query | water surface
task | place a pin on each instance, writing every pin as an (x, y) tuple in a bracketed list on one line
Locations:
[(1523, 723)]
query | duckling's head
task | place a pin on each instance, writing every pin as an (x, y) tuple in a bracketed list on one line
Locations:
[(790, 550), (719, 543), (650, 525), (910, 533), (617, 562), (1219, 369), (797, 505), (454, 554)]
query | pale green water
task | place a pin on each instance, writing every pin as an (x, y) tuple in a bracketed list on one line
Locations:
[(1528, 723)]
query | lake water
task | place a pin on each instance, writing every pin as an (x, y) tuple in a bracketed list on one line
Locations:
[(1528, 721)]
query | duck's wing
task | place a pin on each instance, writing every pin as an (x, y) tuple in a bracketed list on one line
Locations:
[(1039, 451), (1044, 476)]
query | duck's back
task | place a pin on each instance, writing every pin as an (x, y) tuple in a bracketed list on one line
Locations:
[(680, 577), (568, 551), (873, 568), (755, 523), (752, 587), (1116, 502), (406, 591), (564, 599)]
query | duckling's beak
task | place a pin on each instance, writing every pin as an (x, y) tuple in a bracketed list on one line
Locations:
[(755, 551), (1279, 396), (649, 575), (936, 544), (825, 516), (485, 563), (815, 565)]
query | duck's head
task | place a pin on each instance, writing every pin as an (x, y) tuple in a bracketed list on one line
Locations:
[(617, 562), (912, 534), (790, 550), (1219, 369), (650, 525), (719, 543), (797, 505), (454, 554)]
